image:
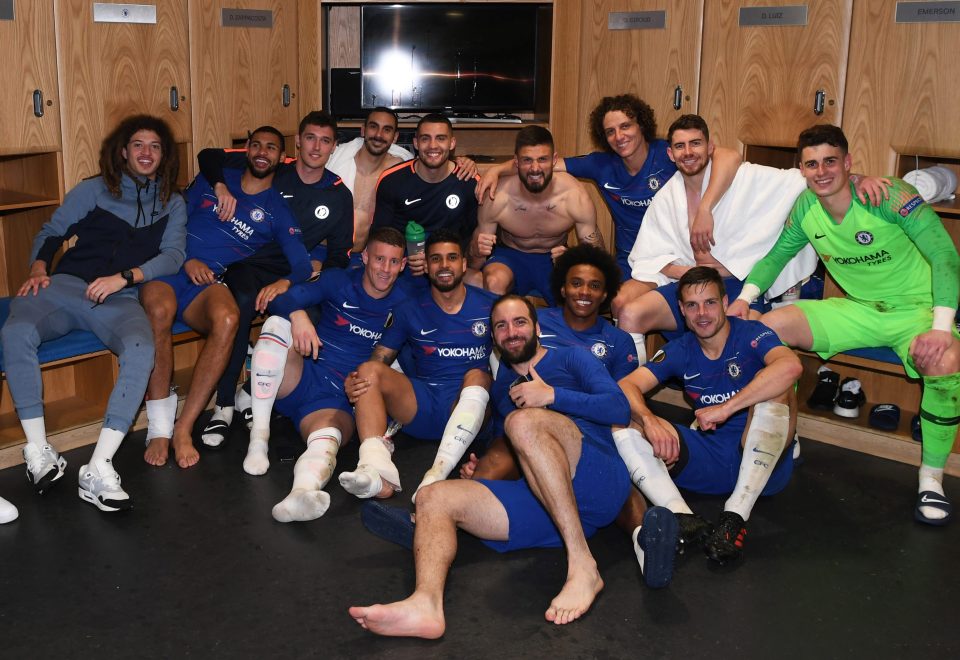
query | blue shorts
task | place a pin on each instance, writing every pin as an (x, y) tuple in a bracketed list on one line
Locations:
[(184, 290), (434, 402), (531, 271), (625, 270), (733, 287), (714, 463), (601, 486), (320, 388)]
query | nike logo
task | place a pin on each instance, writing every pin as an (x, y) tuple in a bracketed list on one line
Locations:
[(760, 451), (819, 235), (542, 336), (932, 500), (347, 305), (607, 186), (686, 377), (408, 202), (424, 333), (288, 196)]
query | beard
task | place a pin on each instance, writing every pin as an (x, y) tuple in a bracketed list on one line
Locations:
[(261, 174), (537, 187), (443, 287), (377, 148), (524, 354)]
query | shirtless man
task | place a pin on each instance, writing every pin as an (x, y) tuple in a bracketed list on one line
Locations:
[(533, 214)]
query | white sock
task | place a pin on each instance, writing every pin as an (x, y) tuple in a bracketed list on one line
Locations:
[(257, 460), (161, 415), (8, 512), (931, 478), (461, 429), (373, 469), (647, 472), (640, 341), (494, 364), (766, 438), (35, 431), (216, 438), (269, 360), (311, 473), (107, 445)]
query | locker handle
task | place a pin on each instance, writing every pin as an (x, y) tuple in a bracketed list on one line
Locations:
[(174, 98), (677, 98), (37, 103), (818, 102), (286, 96)]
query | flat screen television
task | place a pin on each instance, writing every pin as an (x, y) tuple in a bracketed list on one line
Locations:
[(463, 58)]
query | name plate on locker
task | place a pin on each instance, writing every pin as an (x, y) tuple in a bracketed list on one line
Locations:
[(108, 12), (6, 10), (246, 18), (928, 12), (773, 16), (637, 20)]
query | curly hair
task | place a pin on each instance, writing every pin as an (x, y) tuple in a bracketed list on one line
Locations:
[(630, 105), (589, 255), (113, 164)]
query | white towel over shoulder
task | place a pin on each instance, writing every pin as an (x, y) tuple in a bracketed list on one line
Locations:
[(343, 165), (746, 223)]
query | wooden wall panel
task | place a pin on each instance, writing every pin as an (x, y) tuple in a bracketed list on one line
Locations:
[(903, 88), (648, 63), (237, 74), (343, 28), (310, 55), (758, 83), (111, 70), (30, 62)]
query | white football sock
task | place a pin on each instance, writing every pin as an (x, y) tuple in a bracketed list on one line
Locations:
[(35, 431), (267, 365), (161, 415), (647, 472), (766, 438), (107, 445), (462, 427), (257, 460), (641, 343), (311, 473), (373, 469)]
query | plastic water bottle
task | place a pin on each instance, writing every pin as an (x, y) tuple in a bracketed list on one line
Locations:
[(416, 238)]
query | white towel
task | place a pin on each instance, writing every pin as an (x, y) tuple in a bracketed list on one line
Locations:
[(746, 223), (935, 184), (343, 165)]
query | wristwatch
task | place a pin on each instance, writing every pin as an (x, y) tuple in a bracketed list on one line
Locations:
[(128, 276)]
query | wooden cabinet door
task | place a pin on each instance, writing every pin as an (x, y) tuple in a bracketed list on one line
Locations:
[(30, 63), (239, 73), (903, 88), (758, 84), (111, 70), (650, 63)]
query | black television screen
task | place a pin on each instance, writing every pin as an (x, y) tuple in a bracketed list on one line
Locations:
[(462, 57)]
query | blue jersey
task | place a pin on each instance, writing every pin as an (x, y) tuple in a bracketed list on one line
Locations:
[(444, 346), (583, 391), (259, 220), (609, 344), (351, 321), (627, 196), (711, 382)]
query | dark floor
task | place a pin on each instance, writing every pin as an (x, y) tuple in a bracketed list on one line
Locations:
[(835, 568)]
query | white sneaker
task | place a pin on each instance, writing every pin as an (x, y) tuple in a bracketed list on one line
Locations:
[(8, 512), (44, 465), (100, 485)]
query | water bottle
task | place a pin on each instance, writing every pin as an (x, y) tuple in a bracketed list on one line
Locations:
[(416, 238)]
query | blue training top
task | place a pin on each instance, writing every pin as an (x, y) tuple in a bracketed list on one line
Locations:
[(711, 382), (444, 346), (606, 342)]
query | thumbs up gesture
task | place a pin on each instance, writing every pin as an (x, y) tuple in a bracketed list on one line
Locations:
[(534, 393)]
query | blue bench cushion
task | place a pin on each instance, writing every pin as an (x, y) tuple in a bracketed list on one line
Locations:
[(72, 344), (879, 354)]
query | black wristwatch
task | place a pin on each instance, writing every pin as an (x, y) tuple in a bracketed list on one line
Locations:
[(128, 276)]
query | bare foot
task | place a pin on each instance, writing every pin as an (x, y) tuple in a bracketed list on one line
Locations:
[(157, 451), (576, 597), (184, 451), (414, 617)]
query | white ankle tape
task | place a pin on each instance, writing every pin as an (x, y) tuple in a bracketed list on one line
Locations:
[(161, 416), (331, 432), (316, 465), (375, 454)]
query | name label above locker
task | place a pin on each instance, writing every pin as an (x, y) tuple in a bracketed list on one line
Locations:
[(637, 20), (928, 12), (107, 12), (6, 10), (246, 18), (773, 16)]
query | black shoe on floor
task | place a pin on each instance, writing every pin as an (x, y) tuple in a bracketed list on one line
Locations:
[(694, 530), (850, 399), (825, 393), (726, 542)]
